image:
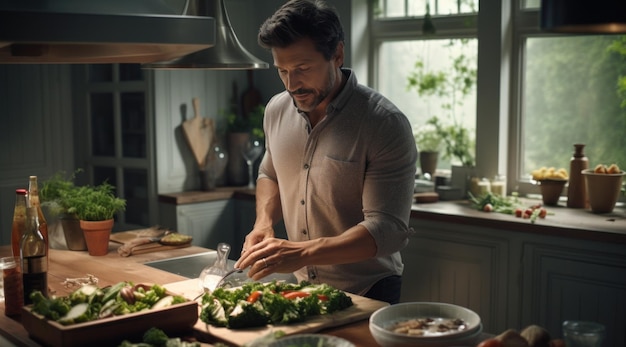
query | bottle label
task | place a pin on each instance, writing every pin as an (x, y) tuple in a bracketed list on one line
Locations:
[(35, 265)]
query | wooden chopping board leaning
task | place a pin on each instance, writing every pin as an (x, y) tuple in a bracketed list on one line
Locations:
[(199, 132)]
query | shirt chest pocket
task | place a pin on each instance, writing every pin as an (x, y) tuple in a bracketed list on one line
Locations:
[(337, 182)]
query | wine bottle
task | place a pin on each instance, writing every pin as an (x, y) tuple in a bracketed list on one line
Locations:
[(34, 257), (19, 220), (33, 199)]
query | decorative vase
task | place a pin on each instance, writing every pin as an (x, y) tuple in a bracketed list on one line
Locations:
[(212, 175), (97, 235), (74, 235), (237, 169), (428, 162)]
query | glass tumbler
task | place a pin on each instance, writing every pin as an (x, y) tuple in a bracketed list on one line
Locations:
[(12, 285), (583, 334)]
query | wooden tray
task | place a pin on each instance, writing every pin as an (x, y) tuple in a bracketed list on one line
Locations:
[(112, 331), (126, 236), (363, 308)]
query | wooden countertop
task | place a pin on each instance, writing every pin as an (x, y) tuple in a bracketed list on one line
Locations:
[(112, 268), (197, 196)]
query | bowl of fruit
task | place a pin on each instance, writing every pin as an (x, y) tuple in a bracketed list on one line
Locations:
[(603, 187), (551, 182)]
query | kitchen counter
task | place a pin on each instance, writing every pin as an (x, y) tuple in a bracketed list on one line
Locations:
[(561, 221), (112, 268)]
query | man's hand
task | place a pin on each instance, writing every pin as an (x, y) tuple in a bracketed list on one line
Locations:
[(270, 255)]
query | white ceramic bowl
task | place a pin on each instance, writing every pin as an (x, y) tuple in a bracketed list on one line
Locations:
[(384, 318), (311, 340)]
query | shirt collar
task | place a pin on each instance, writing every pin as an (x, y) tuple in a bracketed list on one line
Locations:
[(344, 95)]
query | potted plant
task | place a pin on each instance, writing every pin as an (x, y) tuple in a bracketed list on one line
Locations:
[(457, 142), (95, 207), (428, 141)]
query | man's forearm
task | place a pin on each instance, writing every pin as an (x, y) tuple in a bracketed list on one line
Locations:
[(268, 208)]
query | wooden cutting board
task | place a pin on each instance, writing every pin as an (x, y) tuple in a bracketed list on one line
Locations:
[(361, 310), (199, 132), (127, 236)]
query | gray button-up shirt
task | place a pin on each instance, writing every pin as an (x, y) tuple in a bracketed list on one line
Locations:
[(357, 166)]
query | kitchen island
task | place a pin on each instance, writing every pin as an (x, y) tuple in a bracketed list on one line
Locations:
[(112, 268)]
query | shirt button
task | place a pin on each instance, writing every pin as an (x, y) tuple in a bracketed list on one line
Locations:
[(301, 202), (303, 232), (306, 166)]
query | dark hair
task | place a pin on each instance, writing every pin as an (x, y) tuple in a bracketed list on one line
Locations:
[(299, 19)]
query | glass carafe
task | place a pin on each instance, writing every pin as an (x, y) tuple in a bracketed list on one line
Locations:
[(211, 275)]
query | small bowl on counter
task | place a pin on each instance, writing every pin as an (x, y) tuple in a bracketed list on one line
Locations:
[(465, 325), (603, 190)]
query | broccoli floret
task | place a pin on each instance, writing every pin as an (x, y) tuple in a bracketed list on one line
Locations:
[(51, 308), (155, 337), (213, 313), (282, 310), (247, 315), (337, 301)]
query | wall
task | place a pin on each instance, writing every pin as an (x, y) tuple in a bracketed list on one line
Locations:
[(36, 136)]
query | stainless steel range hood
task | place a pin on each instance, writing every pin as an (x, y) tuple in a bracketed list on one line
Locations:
[(104, 31), (228, 53)]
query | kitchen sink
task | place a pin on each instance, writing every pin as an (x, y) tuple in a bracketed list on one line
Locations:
[(190, 266)]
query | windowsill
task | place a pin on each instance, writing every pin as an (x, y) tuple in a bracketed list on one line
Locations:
[(561, 221)]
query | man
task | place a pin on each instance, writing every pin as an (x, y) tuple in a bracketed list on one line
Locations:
[(339, 165)]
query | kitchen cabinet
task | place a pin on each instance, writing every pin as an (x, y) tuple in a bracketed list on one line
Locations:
[(463, 266), (209, 223), (574, 280), (513, 279)]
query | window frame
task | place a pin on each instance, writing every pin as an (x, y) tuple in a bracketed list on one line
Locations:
[(499, 132)]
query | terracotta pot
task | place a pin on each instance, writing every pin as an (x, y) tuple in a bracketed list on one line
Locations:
[(551, 191), (97, 235), (603, 190)]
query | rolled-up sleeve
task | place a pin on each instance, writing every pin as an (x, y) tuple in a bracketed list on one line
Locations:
[(388, 185)]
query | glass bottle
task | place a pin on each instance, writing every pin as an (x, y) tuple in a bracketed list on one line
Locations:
[(19, 220), (34, 257), (33, 199), (577, 189), (211, 275)]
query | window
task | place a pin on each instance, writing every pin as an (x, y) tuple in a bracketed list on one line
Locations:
[(118, 149), (570, 95), (426, 73), (559, 89)]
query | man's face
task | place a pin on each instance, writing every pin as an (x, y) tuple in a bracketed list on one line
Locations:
[(310, 79)]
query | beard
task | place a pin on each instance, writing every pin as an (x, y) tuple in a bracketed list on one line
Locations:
[(306, 100)]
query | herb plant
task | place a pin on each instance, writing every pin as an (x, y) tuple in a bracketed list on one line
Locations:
[(93, 203)]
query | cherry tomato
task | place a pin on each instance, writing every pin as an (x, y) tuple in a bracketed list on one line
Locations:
[(542, 213), (518, 212), (322, 297), (254, 296), (488, 208), (294, 295), (490, 343)]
